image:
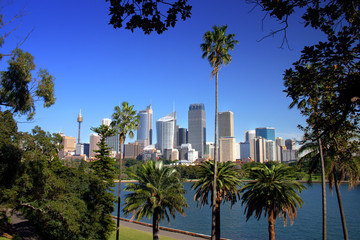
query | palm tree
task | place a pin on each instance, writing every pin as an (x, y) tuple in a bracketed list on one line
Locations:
[(215, 48), (158, 193), (227, 183), (340, 162), (272, 192), (124, 121)]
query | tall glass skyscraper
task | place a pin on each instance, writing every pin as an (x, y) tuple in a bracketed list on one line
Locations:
[(144, 132), (266, 132), (165, 132), (197, 127)]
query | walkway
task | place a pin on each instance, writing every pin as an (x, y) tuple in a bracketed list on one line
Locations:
[(164, 231)]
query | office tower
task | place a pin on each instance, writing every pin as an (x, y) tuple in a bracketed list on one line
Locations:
[(247, 149), (197, 127), (176, 143), (82, 149), (182, 136), (279, 144), (279, 141), (226, 124), (260, 149), (237, 151), (289, 155), (165, 132), (290, 144), (209, 150), (174, 155), (266, 132), (227, 149), (192, 155), (249, 135), (270, 151), (106, 121), (144, 132), (69, 144), (79, 120), (132, 150), (113, 143), (94, 140)]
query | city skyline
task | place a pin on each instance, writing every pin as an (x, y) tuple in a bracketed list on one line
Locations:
[(97, 67)]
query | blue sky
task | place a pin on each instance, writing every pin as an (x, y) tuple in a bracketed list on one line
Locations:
[(97, 67)]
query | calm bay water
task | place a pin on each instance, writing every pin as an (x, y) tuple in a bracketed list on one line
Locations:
[(307, 225)]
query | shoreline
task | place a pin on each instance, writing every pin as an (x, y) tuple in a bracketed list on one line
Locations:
[(245, 180)]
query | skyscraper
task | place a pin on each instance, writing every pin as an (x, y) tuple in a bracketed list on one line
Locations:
[(94, 140), (290, 144), (227, 149), (226, 124), (182, 136), (144, 132), (265, 132), (165, 132), (197, 127)]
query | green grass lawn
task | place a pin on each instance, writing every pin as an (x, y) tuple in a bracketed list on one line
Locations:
[(132, 234)]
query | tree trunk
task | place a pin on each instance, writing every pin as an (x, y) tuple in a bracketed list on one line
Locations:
[(271, 227), (323, 187), (119, 191), (213, 219), (155, 225), (217, 216), (342, 214)]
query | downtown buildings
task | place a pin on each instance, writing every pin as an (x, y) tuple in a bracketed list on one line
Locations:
[(179, 143)]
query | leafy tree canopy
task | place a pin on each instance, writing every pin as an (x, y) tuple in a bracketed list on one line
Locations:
[(148, 15)]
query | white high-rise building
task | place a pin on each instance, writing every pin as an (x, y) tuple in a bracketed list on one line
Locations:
[(106, 121), (260, 149), (165, 132), (144, 132)]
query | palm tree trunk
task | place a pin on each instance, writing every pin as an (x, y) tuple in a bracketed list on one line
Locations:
[(342, 214), (323, 187), (213, 219), (155, 225), (119, 196), (271, 226), (217, 228)]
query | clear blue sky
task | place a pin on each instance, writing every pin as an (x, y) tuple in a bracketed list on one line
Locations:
[(97, 67)]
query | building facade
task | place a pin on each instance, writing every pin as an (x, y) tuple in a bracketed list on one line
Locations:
[(265, 132), (145, 130), (197, 127), (227, 149), (226, 124), (94, 140), (165, 132)]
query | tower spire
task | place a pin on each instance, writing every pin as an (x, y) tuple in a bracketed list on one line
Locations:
[(79, 120)]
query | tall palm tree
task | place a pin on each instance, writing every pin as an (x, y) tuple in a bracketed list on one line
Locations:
[(340, 162), (216, 48), (158, 193), (272, 192), (227, 184), (124, 120)]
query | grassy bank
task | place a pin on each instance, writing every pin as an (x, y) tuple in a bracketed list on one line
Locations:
[(132, 234)]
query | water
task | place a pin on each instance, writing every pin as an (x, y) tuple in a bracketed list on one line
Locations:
[(307, 225)]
